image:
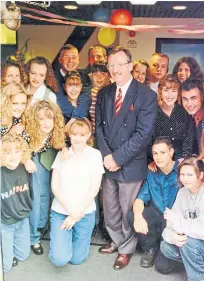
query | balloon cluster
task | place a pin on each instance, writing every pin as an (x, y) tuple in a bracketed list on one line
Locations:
[(106, 36)]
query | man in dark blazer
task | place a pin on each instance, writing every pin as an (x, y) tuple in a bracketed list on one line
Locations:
[(125, 117)]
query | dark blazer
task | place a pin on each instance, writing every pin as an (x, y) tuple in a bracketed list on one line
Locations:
[(126, 136)]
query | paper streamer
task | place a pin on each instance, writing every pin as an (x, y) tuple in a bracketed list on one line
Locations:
[(70, 21), (182, 31)]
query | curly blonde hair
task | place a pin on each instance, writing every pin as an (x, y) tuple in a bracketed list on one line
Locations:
[(10, 140), (20, 66), (85, 128), (33, 125), (50, 80), (7, 92)]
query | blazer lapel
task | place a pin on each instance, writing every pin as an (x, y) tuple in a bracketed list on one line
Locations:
[(110, 105), (129, 99)]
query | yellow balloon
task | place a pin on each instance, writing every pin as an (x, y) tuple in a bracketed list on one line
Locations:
[(106, 36)]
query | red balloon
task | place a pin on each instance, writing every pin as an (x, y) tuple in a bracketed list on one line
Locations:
[(121, 17), (132, 33)]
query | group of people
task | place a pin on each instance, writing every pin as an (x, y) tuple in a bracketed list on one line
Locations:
[(127, 128)]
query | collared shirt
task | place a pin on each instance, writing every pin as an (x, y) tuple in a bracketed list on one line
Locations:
[(154, 86), (63, 74), (199, 116), (40, 94), (160, 189), (124, 89)]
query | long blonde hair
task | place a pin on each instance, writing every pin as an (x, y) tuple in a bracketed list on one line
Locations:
[(32, 125), (7, 92)]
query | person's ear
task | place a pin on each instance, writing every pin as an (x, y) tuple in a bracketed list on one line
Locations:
[(172, 151), (201, 176), (60, 60), (130, 66)]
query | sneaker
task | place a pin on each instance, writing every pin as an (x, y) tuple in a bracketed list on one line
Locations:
[(148, 258), (15, 261)]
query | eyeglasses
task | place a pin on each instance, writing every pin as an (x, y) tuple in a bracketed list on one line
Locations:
[(119, 65)]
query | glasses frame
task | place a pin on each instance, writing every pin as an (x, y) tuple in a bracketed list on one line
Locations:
[(119, 65)]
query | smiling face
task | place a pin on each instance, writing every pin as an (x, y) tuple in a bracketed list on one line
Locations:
[(189, 178), (18, 104), (100, 79), (12, 156), (69, 60), (37, 74), (140, 72), (184, 72), (73, 87), (79, 136), (192, 100), (158, 68), (12, 75), (169, 94), (46, 120), (120, 68), (162, 155)]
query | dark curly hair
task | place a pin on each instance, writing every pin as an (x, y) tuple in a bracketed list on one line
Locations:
[(196, 72), (50, 80)]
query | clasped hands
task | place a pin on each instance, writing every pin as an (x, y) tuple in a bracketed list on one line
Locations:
[(68, 223), (70, 220), (110, 163), (178, 239)]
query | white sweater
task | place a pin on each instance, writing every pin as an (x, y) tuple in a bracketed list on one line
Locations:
[(189, 208)]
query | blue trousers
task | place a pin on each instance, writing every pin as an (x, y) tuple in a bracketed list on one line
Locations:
[(41, 200), (15, 242), (191, 254), (70, 246)]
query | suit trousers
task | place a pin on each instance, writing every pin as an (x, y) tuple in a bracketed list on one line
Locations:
[(118, 199)]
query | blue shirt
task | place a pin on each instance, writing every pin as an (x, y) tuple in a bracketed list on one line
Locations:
[(160, 189), (83, 102)]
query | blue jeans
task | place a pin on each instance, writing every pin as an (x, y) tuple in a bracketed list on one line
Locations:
[(191, 254), (15, 242), (70, 246), (41, 200)]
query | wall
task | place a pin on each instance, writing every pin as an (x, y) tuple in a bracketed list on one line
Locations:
[(146, 41), (47, 40)]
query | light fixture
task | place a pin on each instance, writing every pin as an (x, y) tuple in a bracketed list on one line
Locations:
[(71, 6), (179, 8)]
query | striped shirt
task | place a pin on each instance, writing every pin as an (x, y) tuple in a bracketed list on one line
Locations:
[(92, 110)]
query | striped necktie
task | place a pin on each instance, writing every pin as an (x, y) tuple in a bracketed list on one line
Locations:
[(118, 102)]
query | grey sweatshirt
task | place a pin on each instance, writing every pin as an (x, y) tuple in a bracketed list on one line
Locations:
[(189, 208)]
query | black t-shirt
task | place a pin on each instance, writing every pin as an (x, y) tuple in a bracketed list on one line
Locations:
[(16, 195)]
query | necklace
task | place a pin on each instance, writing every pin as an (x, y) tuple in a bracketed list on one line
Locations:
[(194, 196)]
